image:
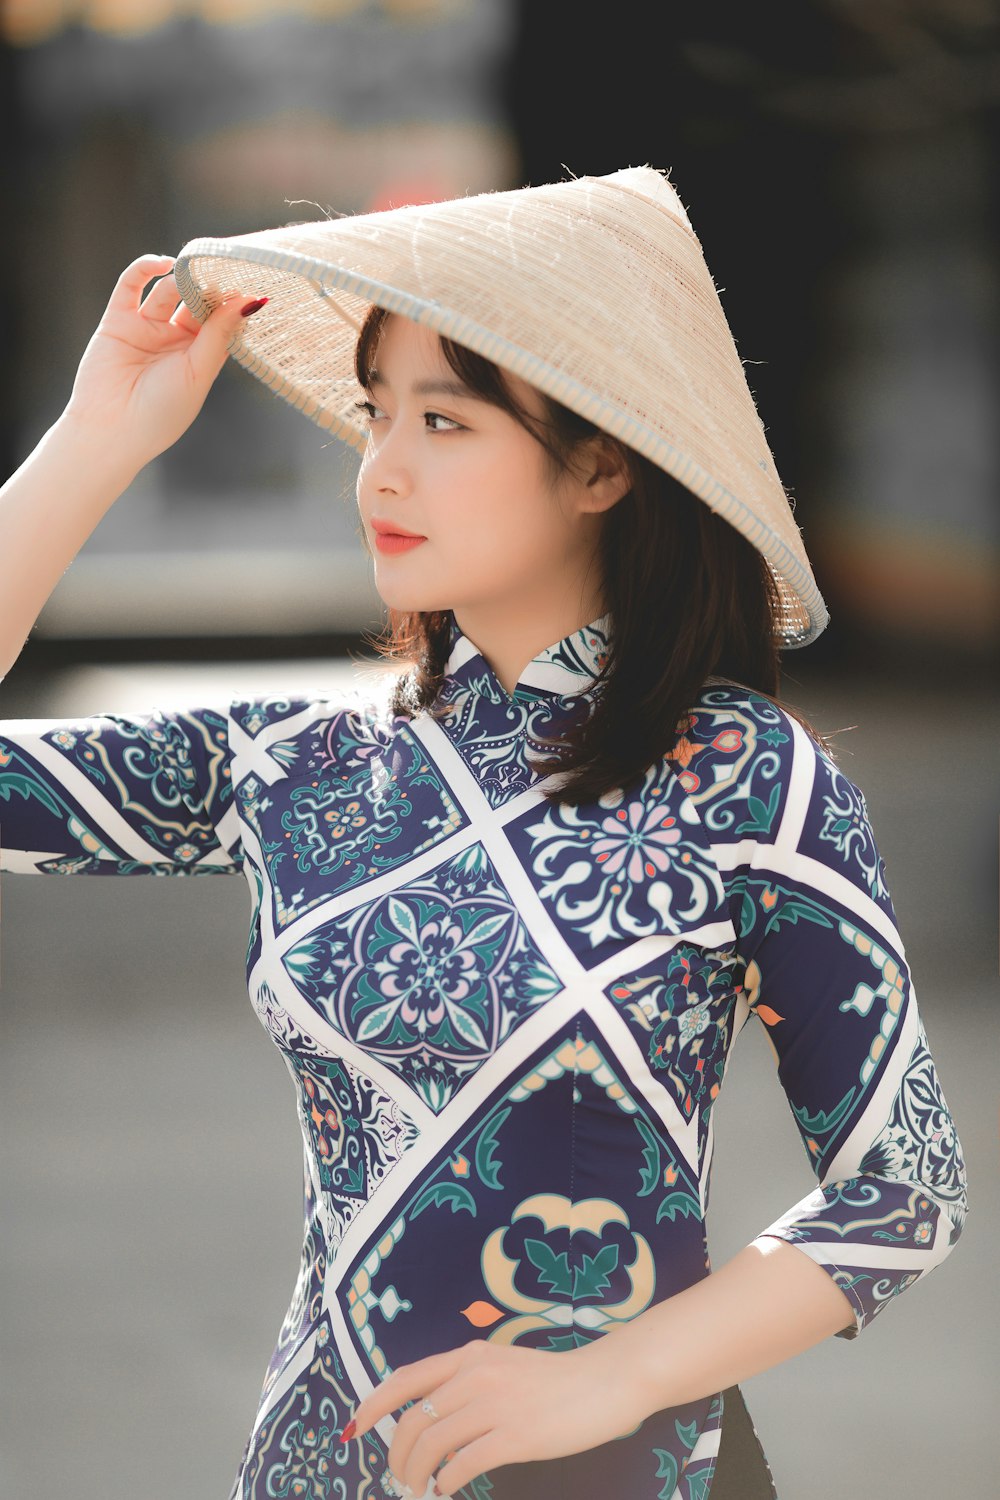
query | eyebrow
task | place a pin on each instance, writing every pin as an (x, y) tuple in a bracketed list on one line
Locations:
[(436, 387)]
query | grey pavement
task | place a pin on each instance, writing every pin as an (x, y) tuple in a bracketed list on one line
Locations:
[(151, 1167)]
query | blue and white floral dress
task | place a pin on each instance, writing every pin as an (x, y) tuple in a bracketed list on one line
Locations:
[(508, 1022)]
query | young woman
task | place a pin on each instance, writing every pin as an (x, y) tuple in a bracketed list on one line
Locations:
[(510, 918)]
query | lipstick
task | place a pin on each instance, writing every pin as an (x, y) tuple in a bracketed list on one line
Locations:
[(394, 541), (389, 539)]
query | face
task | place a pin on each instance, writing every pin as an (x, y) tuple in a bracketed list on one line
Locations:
[(501, 532)]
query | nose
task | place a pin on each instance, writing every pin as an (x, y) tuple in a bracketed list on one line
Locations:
[(385, 469)]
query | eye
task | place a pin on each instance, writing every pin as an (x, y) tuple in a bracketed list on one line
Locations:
[(369, 410), (432, 418)]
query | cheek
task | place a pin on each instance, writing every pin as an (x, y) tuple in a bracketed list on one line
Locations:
[(515, 537), (519, 494), (532, 514)]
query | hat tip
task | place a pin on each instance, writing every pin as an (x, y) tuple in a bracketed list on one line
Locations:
[(653, 184)]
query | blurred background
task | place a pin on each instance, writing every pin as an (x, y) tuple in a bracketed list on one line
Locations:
[(839, 160)]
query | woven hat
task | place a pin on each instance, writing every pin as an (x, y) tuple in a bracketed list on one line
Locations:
[(595, 290)]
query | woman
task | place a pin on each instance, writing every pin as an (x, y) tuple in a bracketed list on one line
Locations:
[(508, 922)]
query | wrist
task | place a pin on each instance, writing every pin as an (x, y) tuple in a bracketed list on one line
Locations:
[(90, 452), (656, 1382), (636, 1366)]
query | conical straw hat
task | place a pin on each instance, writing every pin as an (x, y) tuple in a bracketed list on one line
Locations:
[(595, 290)]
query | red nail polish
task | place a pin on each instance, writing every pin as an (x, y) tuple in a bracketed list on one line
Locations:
[(252, 307), (348, 1432)]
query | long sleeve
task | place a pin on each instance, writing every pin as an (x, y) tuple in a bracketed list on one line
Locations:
[(114, 795), (826, 975)]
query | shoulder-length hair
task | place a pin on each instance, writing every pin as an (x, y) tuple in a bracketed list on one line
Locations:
[(688, 595)]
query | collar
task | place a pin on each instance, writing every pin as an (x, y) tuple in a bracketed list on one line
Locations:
[(565, 668)]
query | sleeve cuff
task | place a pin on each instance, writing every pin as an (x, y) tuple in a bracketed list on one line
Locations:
[(873, 1237), (843, 1280)]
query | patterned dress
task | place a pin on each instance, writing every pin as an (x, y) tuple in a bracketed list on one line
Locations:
[(508, 1022)]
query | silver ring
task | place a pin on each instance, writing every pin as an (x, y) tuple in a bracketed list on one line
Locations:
[(428, 1406)]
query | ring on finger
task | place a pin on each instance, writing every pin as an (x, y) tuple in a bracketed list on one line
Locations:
[(428, 1406)]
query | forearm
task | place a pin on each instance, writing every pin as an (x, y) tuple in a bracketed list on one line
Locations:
[(769, 1303), (48, 509)]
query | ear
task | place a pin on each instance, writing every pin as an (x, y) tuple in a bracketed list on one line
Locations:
[(605, 473)]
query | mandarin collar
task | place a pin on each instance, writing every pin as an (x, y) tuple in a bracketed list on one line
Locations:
[(567, 667)]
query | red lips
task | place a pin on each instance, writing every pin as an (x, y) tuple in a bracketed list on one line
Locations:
[(389, 528)]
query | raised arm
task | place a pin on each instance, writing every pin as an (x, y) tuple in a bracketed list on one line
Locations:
[(142, 381)]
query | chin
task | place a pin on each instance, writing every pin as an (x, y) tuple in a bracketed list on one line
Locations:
[(410, 600)]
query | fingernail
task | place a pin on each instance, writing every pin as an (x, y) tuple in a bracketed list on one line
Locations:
[(251, 307), (348, 1432), (436, 1490)]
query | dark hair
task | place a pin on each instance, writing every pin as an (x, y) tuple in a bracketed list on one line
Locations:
[(689, 598)]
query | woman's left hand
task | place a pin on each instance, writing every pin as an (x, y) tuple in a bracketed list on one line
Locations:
[(500, 1404)]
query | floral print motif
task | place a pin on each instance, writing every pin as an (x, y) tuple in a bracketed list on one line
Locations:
[(729, 761), (620, 870), (347, 828), (845, 825), (500, 746), (919, 1140), (524, 1268), (634, 841), (354, 1136), (297, 1453), (524, 1263), (432, 978), (145, 772), (683, 1007)]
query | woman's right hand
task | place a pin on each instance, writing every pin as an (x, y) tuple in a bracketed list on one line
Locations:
[(142, 381), (150, 364)]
